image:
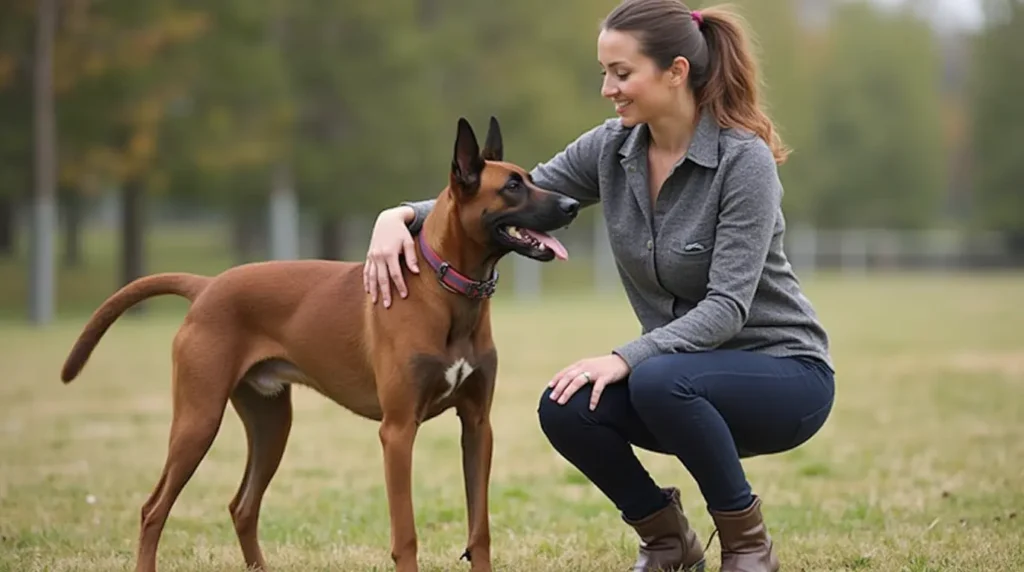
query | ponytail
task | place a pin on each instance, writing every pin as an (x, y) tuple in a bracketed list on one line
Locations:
[(731, 87), (724, 74)]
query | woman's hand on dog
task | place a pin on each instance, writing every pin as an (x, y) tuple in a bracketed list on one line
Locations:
[(390, 238), (602, 371)]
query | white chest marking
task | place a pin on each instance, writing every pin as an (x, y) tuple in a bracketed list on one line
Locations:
[(267, 385), (456, 374)]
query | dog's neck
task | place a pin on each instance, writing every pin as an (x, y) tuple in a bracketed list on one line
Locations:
[(443, 233)]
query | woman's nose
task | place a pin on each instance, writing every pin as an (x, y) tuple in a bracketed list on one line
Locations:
[(607, 89)]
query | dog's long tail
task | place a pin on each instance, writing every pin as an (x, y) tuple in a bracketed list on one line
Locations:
[(182, 284)]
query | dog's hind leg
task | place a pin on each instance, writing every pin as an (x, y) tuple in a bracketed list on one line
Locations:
[(268, 421), (200, 395)]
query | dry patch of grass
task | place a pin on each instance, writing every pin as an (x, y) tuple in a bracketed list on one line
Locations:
[(919, 468)]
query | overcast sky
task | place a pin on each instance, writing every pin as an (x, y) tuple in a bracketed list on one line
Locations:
[(952, 13)]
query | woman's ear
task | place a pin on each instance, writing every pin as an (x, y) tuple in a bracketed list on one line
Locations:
[(679, 71)]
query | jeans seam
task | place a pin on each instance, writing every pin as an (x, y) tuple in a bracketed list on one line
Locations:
[(691, 378), (803, 421), (702, 375), (831, 402)]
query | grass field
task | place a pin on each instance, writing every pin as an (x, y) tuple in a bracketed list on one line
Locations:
[(920, 468)]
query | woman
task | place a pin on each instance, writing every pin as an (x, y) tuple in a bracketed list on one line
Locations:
[(732, 362)]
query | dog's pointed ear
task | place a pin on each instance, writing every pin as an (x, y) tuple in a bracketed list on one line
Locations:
[(493, 148), (467, 164)]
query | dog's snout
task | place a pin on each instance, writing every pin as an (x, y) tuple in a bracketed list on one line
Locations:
[(569, 206)]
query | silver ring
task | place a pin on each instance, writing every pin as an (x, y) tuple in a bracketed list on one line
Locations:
[(586, 374)]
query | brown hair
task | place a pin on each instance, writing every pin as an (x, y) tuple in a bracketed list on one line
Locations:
[(724, 73)]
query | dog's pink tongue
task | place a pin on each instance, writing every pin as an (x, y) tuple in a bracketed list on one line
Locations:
[(549, 241)]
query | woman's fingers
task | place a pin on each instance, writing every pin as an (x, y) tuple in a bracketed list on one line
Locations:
[(573, 384), (596, 391)]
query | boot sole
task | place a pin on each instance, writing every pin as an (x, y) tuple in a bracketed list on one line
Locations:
[(698, 567)]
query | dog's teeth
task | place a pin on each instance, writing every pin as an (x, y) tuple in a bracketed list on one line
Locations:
[(514, 232)]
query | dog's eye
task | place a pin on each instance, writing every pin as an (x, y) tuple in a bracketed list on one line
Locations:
[(514, 186)]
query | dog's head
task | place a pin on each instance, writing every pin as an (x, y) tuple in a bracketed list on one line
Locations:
[(498, 204)]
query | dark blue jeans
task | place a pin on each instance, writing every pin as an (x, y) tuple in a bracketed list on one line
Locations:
[(709, 409)]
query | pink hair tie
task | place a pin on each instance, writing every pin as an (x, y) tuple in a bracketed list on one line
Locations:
[(696, 17)]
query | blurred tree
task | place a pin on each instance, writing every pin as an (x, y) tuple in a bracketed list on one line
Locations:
[(330, 102), (539, 76), (231, 124), (120, 67), (877, 153), (782, 47), (17, 28), (998, 118)]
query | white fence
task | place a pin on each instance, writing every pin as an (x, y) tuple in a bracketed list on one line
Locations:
[(810, 250), (861, 250)]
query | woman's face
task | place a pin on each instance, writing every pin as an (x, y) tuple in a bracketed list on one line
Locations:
[(640, 90)]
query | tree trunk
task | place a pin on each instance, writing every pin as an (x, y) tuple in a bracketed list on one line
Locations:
[(332, 244), (283, 216), (7, 227), (248, 235), (132, 251), (72, 230), (1015, 244), (42, 287), (428, 13)]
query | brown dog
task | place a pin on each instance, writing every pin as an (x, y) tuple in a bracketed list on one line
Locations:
[(257, 328)]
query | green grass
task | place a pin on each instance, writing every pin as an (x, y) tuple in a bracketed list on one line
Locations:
[(919, 468)]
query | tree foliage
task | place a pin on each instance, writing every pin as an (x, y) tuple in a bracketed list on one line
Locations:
[(877, 152), (998, 118), (358, 100)]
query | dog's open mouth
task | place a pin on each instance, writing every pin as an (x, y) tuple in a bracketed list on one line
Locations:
[(534, 240)]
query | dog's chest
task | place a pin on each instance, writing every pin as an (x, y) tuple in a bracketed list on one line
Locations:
[(440, 377), (455, 374)]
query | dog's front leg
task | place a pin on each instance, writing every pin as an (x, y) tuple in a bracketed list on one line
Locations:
[(477, 446), (397, 434), (477, 451)]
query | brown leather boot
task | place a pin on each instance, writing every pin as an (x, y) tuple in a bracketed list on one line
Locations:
[(667, 543), (746, 544)]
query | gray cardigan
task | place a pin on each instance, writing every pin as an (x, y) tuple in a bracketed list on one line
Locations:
[(704, 268)]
